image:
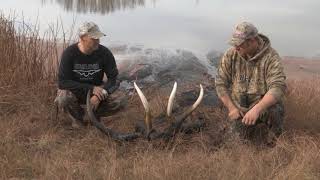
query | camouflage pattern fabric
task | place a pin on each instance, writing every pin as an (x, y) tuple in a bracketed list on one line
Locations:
[(64, 98), (246, 81), (242, 32), (271, 120), (68, 102)]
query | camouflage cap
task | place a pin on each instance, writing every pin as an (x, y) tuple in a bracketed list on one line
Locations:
[(242, 32), (90, 29)]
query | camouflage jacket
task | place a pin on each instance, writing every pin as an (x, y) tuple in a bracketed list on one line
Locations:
[(247, 81)]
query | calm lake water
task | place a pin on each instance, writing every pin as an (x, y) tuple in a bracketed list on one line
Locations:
[(196, 25)]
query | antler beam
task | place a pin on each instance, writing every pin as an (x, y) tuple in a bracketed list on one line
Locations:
[(109, 132)]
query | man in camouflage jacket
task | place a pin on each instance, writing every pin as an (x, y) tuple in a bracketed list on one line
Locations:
[(251, 82)]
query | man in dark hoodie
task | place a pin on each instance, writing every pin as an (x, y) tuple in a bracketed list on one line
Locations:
[(251, 82), (82, 68)]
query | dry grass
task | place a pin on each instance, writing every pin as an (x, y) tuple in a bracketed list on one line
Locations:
[(34, 144), (303, 102), (27, 57)]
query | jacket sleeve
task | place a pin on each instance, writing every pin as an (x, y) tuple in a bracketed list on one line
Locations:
[(275, 77), (223, 78), (111, 71), (65, 76)]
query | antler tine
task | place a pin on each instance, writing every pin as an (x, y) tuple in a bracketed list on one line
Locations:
[(198, 101), (179, 120), (171, 99), (146, 106), (105, 130), (194, 106)]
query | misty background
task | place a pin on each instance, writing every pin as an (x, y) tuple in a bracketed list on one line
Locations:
[(195, 25)]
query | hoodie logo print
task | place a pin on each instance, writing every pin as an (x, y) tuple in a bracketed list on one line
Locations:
[(87, 73)]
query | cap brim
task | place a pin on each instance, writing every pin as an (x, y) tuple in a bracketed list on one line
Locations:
[(236, 41), (96, 35)]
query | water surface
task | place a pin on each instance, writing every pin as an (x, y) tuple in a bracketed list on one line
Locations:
[(195, 25)]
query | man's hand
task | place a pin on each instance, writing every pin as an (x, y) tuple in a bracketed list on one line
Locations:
[(100, 93), (94, 100), (235, 114), (251, 116)]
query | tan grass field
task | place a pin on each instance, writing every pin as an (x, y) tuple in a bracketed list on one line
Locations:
[(301, 68), (34, 144)]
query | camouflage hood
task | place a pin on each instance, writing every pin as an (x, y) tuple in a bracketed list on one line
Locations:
[(264, 45)]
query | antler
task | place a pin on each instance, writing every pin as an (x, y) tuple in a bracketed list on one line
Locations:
[(109, 132), (171, 99), (146, 106), (170, 131)]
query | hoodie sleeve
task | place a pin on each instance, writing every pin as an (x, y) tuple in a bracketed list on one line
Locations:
[(111, 71), (223, 79), (275, 77)]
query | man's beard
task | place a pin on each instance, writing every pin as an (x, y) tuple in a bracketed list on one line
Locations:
[(94, 48)]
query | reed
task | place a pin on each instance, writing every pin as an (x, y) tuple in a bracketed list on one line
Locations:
[(28, 57)]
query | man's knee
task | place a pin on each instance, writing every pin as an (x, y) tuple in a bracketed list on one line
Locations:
[(64, 98), (238, 128), (272, 119)]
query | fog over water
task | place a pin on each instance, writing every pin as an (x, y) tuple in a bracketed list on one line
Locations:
[(195, 25)]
